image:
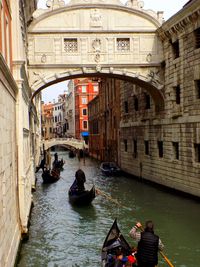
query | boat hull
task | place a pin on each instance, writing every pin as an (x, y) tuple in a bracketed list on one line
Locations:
[(110, 169), (81, 199), (51, 177), (113, 241)]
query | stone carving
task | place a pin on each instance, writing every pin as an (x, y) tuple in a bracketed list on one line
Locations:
[(53, 4), (95, 18), (97, 58), (43, 58), (154, 79), (98, 68), (37, 77), (149, 57), (135, 4), (96, 44)]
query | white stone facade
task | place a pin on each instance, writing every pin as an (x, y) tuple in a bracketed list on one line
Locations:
[(84, 39), (19, 133), (69, 115), (9, 206)]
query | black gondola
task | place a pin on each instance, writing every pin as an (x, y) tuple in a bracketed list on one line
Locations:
[(72, 154), (51, 176), (110, 168), (81, 198), (114, 246)]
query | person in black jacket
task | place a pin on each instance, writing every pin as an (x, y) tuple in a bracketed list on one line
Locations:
[(148, 244)]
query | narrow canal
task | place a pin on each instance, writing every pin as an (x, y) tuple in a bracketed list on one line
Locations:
[(64, 236)]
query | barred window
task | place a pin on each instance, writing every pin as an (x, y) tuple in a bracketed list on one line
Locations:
[(160, 149), (197, 87), (176, 149), (146, 147), (175, 49), (197, 152), (197, 38), (70, 45), (123, 44)]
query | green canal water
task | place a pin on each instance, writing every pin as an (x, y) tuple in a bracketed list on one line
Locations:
[(65, 236)]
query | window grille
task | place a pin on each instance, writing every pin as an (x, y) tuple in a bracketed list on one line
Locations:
[(176, 149), (178, 94), (70, 45), (147, 101), (123, 44), (197, 87), (146, 147), (125, 145), (197, 152), (85, 123), (134, 148), (135, 103), (197, 38), (176, 49), (160, 149)]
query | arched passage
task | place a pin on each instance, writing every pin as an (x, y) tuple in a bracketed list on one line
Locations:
[(148, 83)]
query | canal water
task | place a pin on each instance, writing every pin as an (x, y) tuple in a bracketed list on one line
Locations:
[(65, 236)]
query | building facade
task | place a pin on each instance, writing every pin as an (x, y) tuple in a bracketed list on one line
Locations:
[(104, 121), (47, 121), (19, 128), (69, 112), (164, 147), (85, 91), (58, 116)]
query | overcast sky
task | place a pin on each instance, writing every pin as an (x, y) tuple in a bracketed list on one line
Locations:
[(170, 7)]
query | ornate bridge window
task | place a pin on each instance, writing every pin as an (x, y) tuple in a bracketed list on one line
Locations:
[(123, 44), (70, 45)]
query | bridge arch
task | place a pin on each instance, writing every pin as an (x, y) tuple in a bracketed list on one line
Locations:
[(66, 142), (146, 82)]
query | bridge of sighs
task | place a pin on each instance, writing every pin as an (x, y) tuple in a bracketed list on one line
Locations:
[(96, 38)]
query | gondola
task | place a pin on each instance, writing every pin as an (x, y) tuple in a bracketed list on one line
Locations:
[(72, 154), (116, 251), (81, 198), (110, 168), (51, 176), (58, 164)]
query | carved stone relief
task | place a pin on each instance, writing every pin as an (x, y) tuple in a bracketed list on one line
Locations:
[(95, 18)]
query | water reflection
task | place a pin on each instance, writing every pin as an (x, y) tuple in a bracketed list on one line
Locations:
[(63, 235)]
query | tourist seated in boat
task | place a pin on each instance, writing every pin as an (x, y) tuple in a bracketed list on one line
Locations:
[(148, 244), (78, 185), (117, 256)]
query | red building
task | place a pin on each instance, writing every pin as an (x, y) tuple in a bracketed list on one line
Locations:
[(85, 90)]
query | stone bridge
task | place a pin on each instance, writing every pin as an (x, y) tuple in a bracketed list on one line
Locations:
[(96, 38), (70, 143)]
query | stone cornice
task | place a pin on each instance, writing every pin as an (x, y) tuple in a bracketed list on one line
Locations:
[(58, 66), (89, 31), (8, 75), (177, 23)]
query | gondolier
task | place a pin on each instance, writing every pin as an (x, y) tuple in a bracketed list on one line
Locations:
[(77, 193), (148, 244)]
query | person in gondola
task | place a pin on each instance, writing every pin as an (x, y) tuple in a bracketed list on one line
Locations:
[(148, 244), (78, 185), (56, 157), (41, 166)]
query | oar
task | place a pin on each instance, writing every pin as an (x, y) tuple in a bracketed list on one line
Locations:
[(162, 254), (99, 192)]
